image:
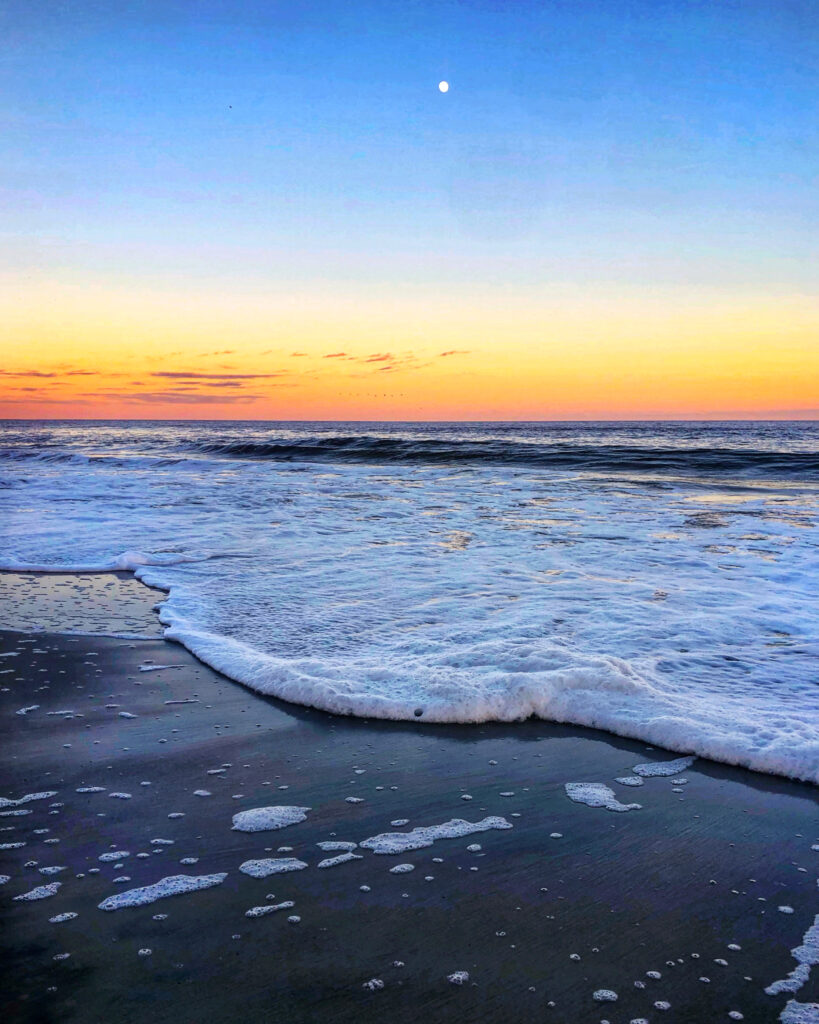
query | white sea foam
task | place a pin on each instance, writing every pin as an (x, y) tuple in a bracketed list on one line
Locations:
[(342, 858), (269, 908), (42, 892), (517, 622), (662, 769), (418, 838), (28, 798), (595, 794), (806, 956), (800, 1013), (271, 866), (263, 819), (173, 885), (333, 844)]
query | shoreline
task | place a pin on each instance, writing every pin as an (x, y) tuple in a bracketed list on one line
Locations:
[(627, 893), (219, 653)]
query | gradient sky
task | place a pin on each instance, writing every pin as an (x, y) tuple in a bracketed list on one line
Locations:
[(268, 210)]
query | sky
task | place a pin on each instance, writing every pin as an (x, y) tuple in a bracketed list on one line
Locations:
[(247, 210)]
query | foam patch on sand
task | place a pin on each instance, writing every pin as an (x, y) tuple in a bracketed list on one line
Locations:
[(264, 819), (800, 1013), (173, 885), (28, 798), (595, 794), (806, 956), (269, 908), (42, 892), (342, 858), (662, 769), (418, 838), (271, 866)]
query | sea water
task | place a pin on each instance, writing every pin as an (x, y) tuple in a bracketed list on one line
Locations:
[(657, 580)]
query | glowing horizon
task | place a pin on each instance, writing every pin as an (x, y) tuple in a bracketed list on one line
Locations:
[(271, 214)]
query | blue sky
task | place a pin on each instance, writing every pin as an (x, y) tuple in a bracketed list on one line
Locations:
[(668, 141)]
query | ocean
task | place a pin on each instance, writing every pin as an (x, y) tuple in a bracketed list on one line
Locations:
[(656, 580)]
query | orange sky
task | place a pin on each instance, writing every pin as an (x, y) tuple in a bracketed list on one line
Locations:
[(91, 349)]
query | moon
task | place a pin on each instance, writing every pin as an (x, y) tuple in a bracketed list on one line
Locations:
[(443, 86)]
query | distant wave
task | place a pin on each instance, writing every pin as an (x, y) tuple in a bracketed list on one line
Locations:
[(372, 449), (591, 458)]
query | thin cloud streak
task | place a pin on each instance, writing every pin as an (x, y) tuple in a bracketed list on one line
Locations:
[(193, 375)]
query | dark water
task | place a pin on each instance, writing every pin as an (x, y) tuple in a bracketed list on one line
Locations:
[(743, 449)]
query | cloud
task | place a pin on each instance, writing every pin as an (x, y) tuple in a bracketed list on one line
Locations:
[(49, 374), (455, 352), (191, 375), (336, 355), (183, 398), (27, 373), (378, 357)]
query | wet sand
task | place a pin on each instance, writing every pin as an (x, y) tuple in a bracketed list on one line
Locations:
[(543, 923)]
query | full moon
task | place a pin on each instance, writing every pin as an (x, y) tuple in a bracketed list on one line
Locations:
[(443, 86)]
